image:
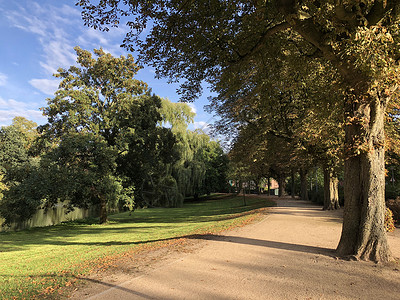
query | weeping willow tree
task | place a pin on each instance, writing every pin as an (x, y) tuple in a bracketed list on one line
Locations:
[(190, 170), (186, 175)]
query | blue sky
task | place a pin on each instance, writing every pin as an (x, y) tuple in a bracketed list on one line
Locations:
[(37, 38)]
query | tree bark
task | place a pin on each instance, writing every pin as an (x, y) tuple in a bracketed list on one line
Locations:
[(293, 185), (303, 184), (363, 234), (331, 191), (258, 186), (244, 194), (281, 186)]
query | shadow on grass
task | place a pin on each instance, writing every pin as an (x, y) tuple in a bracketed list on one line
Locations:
[(221, 238), (140, 223), (218, 238)]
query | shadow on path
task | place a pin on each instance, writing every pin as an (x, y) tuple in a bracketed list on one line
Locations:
[(113, 286), (265, 243)]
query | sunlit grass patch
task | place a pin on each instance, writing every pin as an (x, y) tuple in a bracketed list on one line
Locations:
[(39, 261)]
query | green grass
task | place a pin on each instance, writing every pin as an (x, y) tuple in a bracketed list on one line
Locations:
[(40, 261)]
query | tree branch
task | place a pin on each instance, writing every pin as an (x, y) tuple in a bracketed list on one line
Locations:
[(309, 31), (263, 39)]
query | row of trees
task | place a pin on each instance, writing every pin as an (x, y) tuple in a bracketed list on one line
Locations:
[(108, 142), (347, 54)]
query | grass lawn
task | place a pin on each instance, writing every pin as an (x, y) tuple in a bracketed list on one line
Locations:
[(37, 263)]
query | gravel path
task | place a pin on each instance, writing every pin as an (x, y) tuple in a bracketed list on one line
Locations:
[(288, 255)]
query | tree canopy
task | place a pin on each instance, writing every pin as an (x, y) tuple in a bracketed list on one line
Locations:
[(109, 143), (211, 40), (103, 117)]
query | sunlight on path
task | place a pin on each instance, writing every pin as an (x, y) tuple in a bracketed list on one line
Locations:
[(288, 255)]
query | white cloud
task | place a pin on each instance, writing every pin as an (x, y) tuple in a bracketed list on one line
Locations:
[(49, 24), (202, 125), (57, 54), (193, 107), (3, 79), (6, 116), (46, 86), (26, 21), (94, 35), (58, 29), (11, 108), (95, 39), (115, 50), (70, 11), (11, 104)]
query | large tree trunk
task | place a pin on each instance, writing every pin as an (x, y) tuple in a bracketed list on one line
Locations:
[(303, 184), (331, 191), (103, 210), (363, 233)]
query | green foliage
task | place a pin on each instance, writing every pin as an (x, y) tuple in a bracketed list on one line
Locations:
[(20, 179), (28, 128), (392, 180), (355, 44), (177, 115), (148, 148), (169, 194), (127, 199), (3, 186), (23, 194), (99, 97), (83, 170), (200, 164), (216, 169), (13, 151), (391, 192), (105, 124), (107, 143)]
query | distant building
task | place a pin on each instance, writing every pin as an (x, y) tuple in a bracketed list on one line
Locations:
[(273, 187)]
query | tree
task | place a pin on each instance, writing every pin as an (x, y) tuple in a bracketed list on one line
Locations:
[(18, 199), (83, 168), (241, 174), (200, 165), (289, 107), (13, 150), (198, 40), (23, 193), (361, 46), (216, 169), (104, 125), (16, 141), (28, 128)]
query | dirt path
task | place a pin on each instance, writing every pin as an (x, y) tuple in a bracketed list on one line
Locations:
[(288, 255)]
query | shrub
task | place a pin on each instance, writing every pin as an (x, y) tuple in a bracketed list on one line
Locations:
[(389, 222), (394, 206)]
